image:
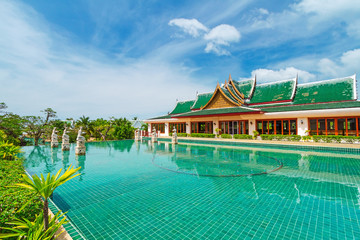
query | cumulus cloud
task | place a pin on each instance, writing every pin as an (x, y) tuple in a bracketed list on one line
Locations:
[(189, 26), (268, 75), (221, 35), (347, 64)]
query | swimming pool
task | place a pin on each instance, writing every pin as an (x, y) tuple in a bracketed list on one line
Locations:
[(192, 190)]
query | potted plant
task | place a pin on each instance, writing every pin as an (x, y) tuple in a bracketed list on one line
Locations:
[(255, 134), (217, 131)]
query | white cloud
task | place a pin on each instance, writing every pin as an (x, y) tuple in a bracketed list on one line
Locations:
[(263, 11), (40, 69), (221, 35), (347, 64), (189, 26), (268, 75)]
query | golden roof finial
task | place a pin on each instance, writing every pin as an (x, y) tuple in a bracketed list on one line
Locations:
[(230, 79)]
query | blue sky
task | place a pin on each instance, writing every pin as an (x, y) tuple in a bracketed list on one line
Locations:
[(135, 58)]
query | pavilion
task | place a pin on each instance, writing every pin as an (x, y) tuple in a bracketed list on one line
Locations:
[(328, 107)]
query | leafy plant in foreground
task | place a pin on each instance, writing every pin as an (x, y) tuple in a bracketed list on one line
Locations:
[(46, 187), (25, 229)]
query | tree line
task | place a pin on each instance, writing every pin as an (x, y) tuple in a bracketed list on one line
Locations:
[(27, 130)]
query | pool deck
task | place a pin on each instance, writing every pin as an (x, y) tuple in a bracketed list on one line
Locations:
[(311, 144)]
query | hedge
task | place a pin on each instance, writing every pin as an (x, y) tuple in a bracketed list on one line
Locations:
[(226, 136), (334, 138), (242, 136), (280, 137), (179, 134), (12, 199), (202, 135)]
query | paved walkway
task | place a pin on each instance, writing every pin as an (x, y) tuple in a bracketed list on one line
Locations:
[(333, 145)]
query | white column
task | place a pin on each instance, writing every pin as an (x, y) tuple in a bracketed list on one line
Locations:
[(302, 126), (252, 126), (149, 127), (167, 126), (215, 126), (188, 127)]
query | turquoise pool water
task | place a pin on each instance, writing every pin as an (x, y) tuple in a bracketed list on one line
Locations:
[(131, 190)]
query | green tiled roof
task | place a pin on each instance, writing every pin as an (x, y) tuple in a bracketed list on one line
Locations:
[(182, 107), (161, 117), (218, 111), (228, 94), (245, 87), (318, 106), (326, 91), (275, 91), (202, 100)]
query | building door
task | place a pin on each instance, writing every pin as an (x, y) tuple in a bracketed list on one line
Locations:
[(235, 127)]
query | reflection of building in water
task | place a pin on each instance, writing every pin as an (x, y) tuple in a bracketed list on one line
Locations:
[(313, 174), (80, 162)]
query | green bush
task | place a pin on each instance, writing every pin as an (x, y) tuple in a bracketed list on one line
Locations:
[(182, 134), (334, 138), (242, 136), (12, 199), (226, 136), (202, 135), (280, 137)]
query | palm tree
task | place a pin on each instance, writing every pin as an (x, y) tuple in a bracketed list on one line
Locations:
[(46, 187)]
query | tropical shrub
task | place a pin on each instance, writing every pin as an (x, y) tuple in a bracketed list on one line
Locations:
[(226, 136), (8, 150), (12, 199), (26, 229), (202, 135), (45, 187), (242, 136)]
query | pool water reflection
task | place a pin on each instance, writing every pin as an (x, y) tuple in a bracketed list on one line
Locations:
[(142, 190)]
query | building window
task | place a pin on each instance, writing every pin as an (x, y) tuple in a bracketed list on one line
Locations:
[(159, 127), (277, 126), (180, 127), (202, 127), (234, 127), (345, 126)]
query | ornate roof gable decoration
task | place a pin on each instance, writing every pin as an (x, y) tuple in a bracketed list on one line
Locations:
[(225, 96)]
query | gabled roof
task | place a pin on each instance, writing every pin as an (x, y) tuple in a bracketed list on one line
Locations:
[(182, 107), (160, 117), (201, 100), (341, 89), (245, 87), (274, 92), (220, 111), (223, 93)]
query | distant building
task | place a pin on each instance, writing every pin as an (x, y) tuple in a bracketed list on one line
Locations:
[(328, 107)]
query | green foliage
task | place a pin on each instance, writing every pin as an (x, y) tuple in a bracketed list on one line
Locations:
[(9, 151), (255, 133), (34, 230), (242, 136), (335, 139), (46, 186), (202, 135), (182, 134), (12, 199), (122, 129), (306, 138), (226, 136), (13, 126), (279, 137)]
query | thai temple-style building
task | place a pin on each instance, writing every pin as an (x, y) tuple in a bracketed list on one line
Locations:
[(328, 107)]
